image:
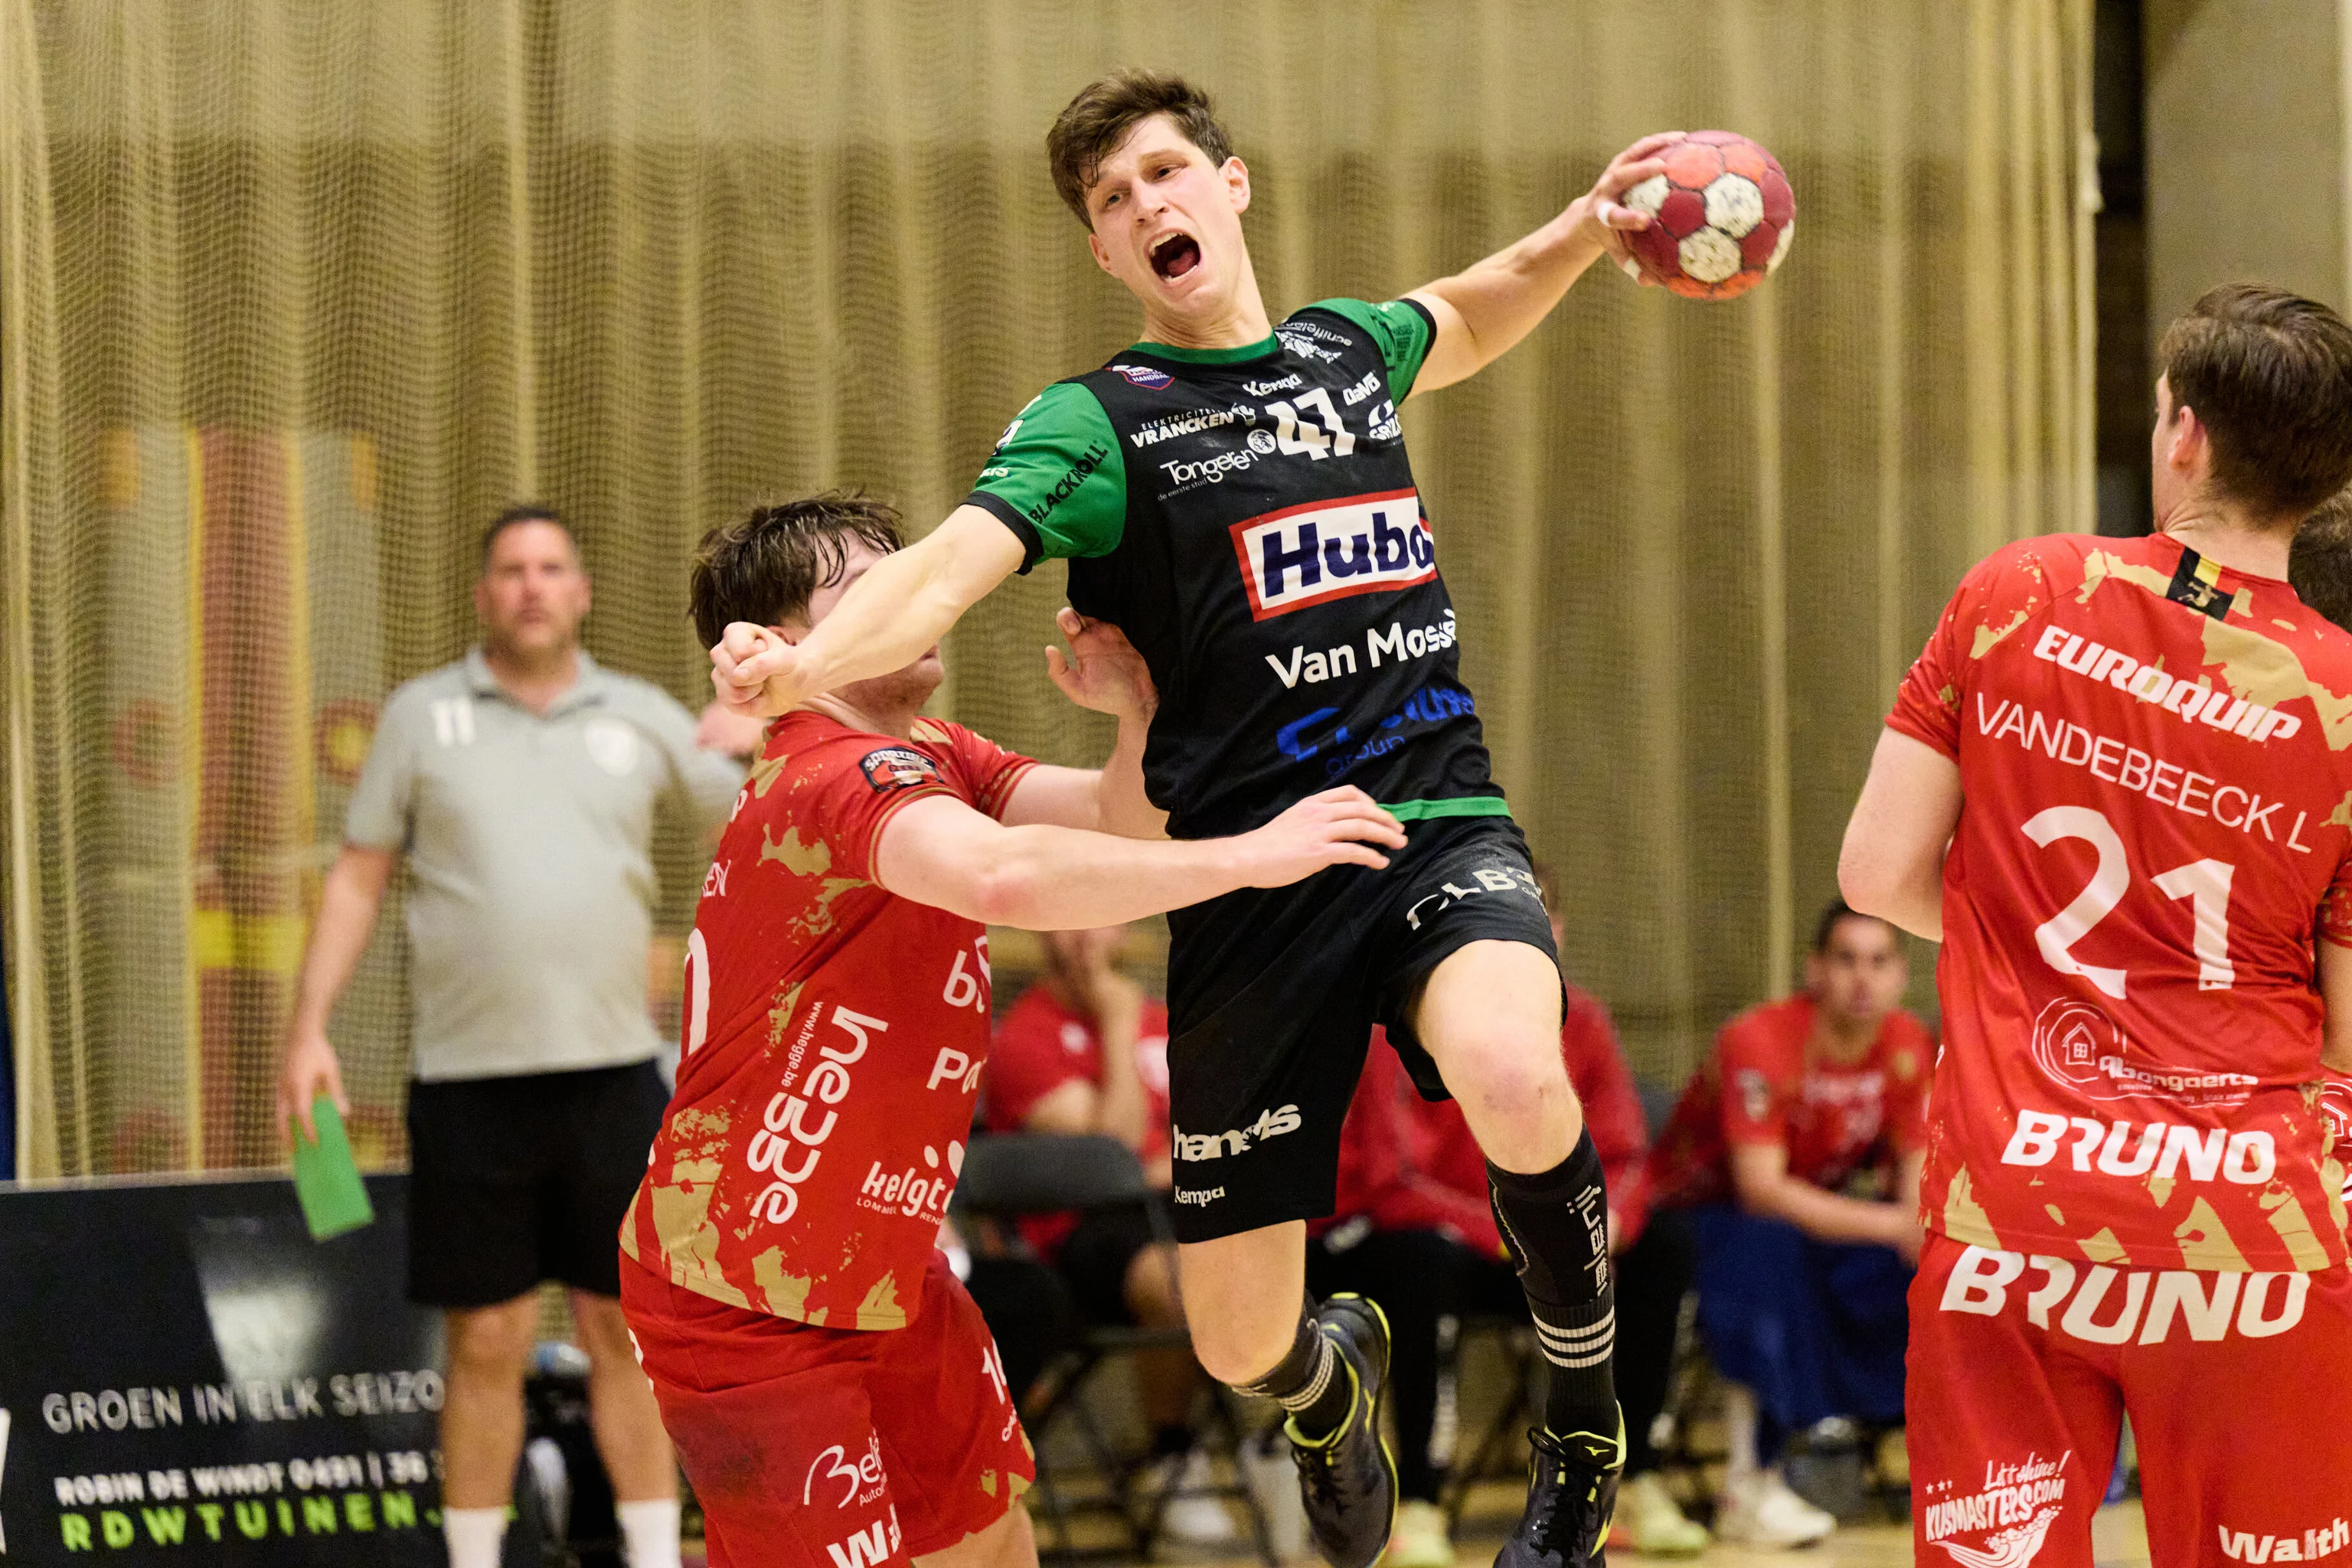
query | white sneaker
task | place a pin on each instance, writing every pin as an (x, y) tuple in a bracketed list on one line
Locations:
[(1419, 1540), (1653, 1522), (1760, 1510), (1196, 1520)]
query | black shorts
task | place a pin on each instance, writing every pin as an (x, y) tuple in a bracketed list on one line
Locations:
[(516, 1180), (1271, 997)]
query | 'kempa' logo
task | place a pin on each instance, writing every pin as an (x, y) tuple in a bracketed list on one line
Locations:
[(1311, 554)]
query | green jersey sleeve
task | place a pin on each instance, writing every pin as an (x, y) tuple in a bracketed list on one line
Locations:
[(1057, 479), (1404, 329)]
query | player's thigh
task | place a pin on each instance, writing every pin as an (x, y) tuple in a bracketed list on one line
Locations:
[(2011, 1433), (951, 1437), (1010, 1543), (2234, 1450), (1243, 1294), (772, 1423)]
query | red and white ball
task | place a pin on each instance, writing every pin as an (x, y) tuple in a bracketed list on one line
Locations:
[(1722, 215)]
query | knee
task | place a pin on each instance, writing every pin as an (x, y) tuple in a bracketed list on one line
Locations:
[(494, 1343), (1513, 1080)]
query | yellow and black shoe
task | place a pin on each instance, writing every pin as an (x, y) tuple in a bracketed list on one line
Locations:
[(1348, 1478), (1571, 1495)]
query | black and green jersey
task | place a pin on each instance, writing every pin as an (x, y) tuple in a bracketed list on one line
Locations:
[(1248, 516)]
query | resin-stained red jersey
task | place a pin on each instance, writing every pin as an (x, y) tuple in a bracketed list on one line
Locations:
[(1834, 1118), (834, 1034), (2336, 1104), (2156, 794)]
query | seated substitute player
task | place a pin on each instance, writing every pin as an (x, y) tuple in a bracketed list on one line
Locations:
[(1802, 1276), (830, 1388), (1085, 1050), (1235, 496), (2113, 787)]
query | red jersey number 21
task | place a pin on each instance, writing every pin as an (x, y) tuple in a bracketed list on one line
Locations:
[(2204, 883)]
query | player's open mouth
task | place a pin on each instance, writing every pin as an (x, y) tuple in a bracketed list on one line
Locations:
[(1175, 255)]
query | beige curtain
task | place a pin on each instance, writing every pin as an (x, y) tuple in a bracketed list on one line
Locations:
[(294, 296)]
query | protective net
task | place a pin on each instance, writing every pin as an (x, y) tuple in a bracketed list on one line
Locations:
[(293, 297)]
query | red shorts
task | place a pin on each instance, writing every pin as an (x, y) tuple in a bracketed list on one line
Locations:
[(831, 1448), (2022, 1368)]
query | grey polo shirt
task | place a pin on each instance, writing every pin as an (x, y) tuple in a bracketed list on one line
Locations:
[(528, 839)]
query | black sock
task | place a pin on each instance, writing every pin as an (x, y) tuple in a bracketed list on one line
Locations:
[(1556, 1224), (1310, 1381)]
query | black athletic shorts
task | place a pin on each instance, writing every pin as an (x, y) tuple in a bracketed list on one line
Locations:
[(516, 1180), (1271, 997)]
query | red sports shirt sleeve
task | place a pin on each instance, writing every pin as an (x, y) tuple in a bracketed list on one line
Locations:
[(1998, 596), (1757, 1084), (864, 781), (989, 769)]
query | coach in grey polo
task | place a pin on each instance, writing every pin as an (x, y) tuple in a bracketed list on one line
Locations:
[(520, 787)]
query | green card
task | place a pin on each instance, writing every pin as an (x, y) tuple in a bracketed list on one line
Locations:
[(326, 1178)]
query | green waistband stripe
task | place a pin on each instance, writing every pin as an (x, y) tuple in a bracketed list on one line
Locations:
[(1463, 806)]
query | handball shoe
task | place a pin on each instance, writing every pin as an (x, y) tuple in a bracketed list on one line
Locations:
[(1571, 1495), (1346, 1478)]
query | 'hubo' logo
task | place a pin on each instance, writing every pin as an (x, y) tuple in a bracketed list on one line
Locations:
[(1327, 550)]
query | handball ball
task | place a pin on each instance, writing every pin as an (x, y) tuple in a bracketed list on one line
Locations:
[(1721, 216)]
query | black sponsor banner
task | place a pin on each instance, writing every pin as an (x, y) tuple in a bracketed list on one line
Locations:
[(185, 1375)]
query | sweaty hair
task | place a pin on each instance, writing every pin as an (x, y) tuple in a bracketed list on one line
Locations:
[(2320, 564), (763, 568), (2270, 375), (1826, 927), (1093, 124), (524, 512)]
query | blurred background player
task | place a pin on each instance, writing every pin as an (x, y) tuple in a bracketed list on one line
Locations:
[(1084, 1050), (822, 1369), (1797, 1147), (2112, 786), (2320, 568), (1238, 498), (519, 787), (1414, 1227)]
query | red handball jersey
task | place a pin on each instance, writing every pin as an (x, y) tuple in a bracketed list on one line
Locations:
[(1410, 1164), (1756, 1086), (2156, 794), (1040, 1045), (834, 1039)]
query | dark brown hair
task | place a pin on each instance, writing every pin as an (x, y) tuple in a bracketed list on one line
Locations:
[(763, 568), (1092, 126), (2270, 375), (2320, 564), (525, 511), (1839, 912)]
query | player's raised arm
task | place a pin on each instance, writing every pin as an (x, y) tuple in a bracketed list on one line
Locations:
[(940, 851), (1483, 309), (893, 613), (2336, 991)]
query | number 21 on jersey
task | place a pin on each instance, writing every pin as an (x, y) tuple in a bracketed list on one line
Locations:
[(2205, 884)]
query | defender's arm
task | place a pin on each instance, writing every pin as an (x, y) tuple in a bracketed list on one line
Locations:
[(1102, 672), (902, 605), (1892, 865), (941, 852), (1480, 312)]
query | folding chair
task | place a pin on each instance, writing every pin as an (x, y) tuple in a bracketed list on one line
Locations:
[(1010, 1175)]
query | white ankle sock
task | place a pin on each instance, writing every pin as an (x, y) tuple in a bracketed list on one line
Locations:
[(474, 1535), (649, 1529), (1739, 1434)]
